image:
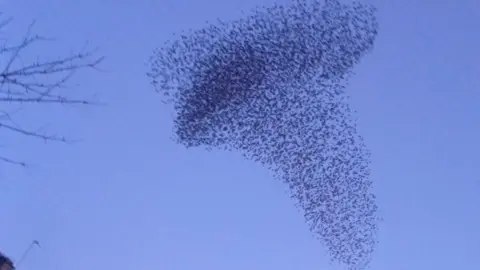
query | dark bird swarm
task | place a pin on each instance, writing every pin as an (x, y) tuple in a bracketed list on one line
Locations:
[(272, 86)]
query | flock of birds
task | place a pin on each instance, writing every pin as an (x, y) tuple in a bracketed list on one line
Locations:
[(272, 86)]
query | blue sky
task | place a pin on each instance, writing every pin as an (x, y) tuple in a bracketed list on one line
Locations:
[(128, 198)]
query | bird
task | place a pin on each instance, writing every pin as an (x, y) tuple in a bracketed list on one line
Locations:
[(272, 86)]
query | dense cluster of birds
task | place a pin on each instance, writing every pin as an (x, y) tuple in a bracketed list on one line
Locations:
[(272, 86)]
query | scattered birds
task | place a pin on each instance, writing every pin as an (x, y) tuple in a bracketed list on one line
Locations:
[(271, 86)]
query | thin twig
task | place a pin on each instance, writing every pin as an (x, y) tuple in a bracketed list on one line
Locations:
[(38, 82)]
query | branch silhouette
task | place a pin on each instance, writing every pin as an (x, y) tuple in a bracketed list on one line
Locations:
[(37, 82)]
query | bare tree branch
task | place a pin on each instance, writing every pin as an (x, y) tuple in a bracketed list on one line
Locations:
[(11, 161), (37, 82)]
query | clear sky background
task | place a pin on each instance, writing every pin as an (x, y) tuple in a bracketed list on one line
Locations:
[(129, 198)]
